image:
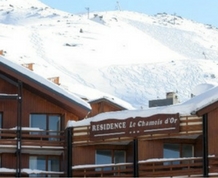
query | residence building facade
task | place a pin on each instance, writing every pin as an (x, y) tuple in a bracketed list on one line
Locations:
[(33, 116), (45, 131), (168, 141)]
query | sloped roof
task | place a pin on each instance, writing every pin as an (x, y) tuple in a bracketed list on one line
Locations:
[(114, 101), (45, 88), (190, 107)]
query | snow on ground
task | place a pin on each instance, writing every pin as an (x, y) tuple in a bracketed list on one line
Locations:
[(123, 54)]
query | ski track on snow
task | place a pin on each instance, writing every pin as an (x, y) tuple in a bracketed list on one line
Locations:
[(38, 45), (136, 83), (173, 37)]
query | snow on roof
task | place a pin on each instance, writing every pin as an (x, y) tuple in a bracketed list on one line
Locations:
[(201, 88), (116, 101), (204, 99), (43, 81), (186, 108)]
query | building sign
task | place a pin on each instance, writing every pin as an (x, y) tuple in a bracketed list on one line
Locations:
[(132, 127)]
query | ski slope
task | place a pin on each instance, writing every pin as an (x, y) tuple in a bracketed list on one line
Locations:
[(128, 55)]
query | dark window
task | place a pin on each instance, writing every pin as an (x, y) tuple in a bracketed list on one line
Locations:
[(177, 151), (44, 163), (110, 156), (50, 123)]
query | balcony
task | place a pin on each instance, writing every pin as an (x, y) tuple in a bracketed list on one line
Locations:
[(32, 141), (26, 172), (189, 126), (185, 167), (103, 170)]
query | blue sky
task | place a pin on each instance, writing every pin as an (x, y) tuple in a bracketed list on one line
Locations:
[(203, 11)]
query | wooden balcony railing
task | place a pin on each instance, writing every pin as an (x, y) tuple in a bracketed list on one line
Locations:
[(31, 137), (26, 172), (106, 170), (189, 125), (185, 167), (171, 167)]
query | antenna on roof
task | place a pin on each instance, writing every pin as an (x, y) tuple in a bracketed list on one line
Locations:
[(118, 6), (87, 8)]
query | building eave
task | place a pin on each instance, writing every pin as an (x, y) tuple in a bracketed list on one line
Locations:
[(44, 90)]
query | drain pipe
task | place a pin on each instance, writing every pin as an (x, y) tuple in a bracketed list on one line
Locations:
[(205, 145), (135, 158), (69, 152), (19, 124)]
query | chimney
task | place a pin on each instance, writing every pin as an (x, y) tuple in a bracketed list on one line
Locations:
[(173, 96), (1, 53), (28, 66), (54, 80)]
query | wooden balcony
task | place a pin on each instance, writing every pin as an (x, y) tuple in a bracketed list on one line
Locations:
[(106, 170), (185, 167), (189, 126), (31, 140), (171, 167), (26, 172)]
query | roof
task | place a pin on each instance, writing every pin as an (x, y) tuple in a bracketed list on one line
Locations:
[(201, 88), (187, 108), (207, 109), (45, 88), (114, 101)]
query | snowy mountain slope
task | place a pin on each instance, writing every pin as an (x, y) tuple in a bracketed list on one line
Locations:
[(121, 54)]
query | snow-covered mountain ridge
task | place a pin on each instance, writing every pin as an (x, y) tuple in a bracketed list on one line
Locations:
[(121, 54)]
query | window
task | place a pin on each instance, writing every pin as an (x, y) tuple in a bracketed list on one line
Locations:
[(44, 163), (47, 122), (110, 156), (187, 150), (119, 156), (177, 151)]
